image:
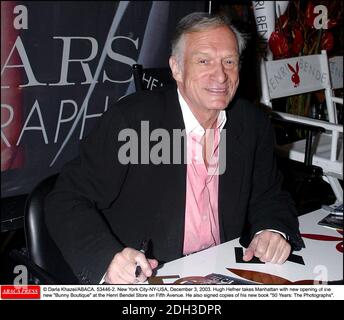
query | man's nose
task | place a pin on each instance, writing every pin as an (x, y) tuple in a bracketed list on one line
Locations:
[(219, 73)]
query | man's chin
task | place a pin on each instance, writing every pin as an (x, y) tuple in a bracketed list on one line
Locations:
[(218, 105)]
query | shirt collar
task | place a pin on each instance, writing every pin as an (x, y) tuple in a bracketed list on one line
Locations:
[(190, 121)]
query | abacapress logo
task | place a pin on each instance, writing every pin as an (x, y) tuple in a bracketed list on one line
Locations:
[(20, 292)]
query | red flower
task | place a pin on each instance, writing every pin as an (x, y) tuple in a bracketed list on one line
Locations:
[(309, 15), (278, 44), (331, 23), (327, 41), (283, 19), (298, 40)]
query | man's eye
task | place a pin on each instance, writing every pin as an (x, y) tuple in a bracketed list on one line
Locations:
[(203, 61), (231, 62)]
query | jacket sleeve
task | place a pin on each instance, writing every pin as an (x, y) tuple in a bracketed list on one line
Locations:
[(86, 185), (270, 207)]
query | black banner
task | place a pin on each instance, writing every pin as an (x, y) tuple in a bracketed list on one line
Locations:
[(62, 65)]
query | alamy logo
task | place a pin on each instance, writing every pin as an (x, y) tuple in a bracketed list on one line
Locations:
[(321, 20), (160, 147)]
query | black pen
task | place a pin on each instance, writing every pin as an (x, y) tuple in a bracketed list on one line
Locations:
[(143, 249)]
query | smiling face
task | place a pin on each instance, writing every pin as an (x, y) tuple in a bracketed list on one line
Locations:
[(208, 75)]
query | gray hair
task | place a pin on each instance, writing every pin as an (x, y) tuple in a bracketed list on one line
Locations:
[(198, 21)]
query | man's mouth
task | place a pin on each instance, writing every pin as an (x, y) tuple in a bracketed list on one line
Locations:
[(217, 91)]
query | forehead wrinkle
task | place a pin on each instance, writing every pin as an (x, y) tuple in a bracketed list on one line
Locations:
[(196, 54), (202, 43)]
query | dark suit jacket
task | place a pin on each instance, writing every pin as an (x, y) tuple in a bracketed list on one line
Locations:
[(99, 206)]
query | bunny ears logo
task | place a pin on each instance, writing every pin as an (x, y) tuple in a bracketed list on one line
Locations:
[(295, 74)]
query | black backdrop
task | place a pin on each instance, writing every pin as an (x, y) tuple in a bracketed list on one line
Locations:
[(62, 65)]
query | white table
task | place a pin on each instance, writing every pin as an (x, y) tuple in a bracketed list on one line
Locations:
[(323, 261)]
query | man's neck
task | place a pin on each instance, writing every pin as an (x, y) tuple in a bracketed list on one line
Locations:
[(209, 122)]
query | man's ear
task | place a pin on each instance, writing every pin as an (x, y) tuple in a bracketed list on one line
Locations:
[(176, 69)]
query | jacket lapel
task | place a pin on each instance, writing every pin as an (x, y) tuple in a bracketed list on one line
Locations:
[(230, 182), (174, 190)]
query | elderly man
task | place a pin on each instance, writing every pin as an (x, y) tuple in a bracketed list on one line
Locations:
[(103, 207)]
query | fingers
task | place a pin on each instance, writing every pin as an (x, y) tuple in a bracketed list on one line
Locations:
[(284, 254), (147, 267), (123, 266), (250, 251), (119, 269), (153, 263), (268, 246), (142, 261)]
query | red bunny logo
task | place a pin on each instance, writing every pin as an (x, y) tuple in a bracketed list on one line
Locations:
[(295, 77)]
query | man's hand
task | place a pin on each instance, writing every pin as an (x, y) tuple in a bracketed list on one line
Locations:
[(268, 246), (122, 267)]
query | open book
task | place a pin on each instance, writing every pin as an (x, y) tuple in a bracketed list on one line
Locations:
[(333, 221)]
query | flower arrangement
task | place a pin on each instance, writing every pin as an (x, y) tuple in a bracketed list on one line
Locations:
[(296, 34)]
